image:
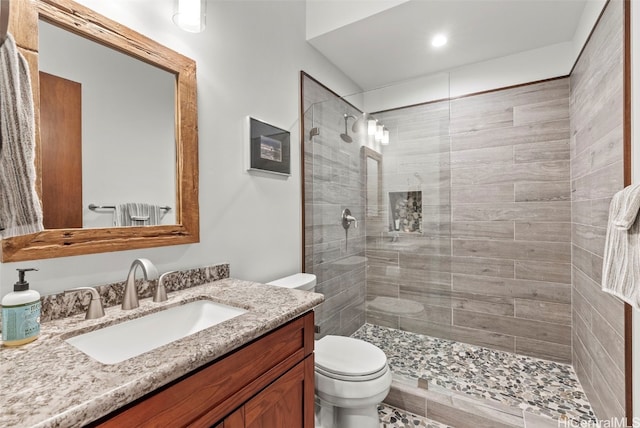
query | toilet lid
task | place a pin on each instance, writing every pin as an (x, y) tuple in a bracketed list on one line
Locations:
[(347, 356)]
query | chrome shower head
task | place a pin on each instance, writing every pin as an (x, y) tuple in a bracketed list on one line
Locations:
[(346, 137)]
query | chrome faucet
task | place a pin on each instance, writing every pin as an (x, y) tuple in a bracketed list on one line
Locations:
[(149, 271)]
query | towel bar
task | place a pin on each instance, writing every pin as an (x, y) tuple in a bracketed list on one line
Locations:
[(94, 207)]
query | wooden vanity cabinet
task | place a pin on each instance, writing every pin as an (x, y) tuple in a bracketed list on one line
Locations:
[(267, 383)]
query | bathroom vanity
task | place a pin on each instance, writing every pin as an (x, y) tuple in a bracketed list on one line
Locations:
[(255, 369), (266, 383)]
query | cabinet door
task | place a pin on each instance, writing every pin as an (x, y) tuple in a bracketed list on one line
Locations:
[(283, 404), (234, 420)]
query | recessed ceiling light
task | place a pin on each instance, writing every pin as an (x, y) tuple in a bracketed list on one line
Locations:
[(439, 40)]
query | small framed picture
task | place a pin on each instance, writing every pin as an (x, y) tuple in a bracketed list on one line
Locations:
[(269, 148)]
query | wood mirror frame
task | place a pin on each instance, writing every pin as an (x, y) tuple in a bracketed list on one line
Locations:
[(91, 25)]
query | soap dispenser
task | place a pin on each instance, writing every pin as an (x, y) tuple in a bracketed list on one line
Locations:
[(20, 313)]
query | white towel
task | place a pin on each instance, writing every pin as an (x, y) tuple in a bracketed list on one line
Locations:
[(621, 264), (137, 214), (20, 210), (629, 206)]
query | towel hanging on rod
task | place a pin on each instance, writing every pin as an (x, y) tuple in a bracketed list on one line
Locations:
[(5, 5)]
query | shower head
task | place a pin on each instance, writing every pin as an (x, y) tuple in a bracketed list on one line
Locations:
[(346, 137)]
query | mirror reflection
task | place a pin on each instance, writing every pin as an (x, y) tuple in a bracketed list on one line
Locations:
[(107, 135)]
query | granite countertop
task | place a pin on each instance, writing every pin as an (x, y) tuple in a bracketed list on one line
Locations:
[(49, 383)]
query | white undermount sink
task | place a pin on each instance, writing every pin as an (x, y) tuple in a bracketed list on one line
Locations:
[(119, 342)]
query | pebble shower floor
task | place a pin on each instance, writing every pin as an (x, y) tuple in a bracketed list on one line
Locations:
[(534, 385)]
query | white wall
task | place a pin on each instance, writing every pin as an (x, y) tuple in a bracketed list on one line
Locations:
[(327, 15), (249, 59)]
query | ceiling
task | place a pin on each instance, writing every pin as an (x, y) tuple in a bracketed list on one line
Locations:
[(394, 45)]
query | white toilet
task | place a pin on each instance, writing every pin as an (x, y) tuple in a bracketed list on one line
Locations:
[(351, 376)]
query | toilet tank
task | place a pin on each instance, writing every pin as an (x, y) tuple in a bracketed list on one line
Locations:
[(299, 281)]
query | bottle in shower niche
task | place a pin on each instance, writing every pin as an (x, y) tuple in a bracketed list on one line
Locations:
[(20, 313)]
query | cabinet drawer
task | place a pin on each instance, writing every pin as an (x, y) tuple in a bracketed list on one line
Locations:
[(214, 391)]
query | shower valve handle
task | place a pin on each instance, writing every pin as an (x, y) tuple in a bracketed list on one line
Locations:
[(347, 219)]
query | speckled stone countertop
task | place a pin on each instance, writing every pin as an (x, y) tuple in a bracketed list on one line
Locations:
[(49, 383)]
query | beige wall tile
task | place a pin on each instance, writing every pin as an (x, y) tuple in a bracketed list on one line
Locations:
[(484, 266), (541, 152), (543, 271), (541, 192), (547, 231), (484, 194), (516, 288), (482, 230), (517, 211), (525, 134), (548, 332), (558, 313), (543, 111), (545, 350), (518, 250)]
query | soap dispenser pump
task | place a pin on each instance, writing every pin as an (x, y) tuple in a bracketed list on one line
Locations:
[(21, 313)]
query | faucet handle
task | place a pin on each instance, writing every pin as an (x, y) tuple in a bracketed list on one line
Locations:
[(347, 219), (95, 309), (161, 291)]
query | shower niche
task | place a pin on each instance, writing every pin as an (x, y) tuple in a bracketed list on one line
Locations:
[(405, 211)]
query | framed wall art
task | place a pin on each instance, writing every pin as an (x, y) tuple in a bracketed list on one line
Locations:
[(269, 148)]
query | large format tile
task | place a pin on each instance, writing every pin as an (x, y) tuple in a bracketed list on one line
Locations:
[(516, 288), (542, 111), (523, 134), (541, 152), (543, 271), (512, 173), (543, 192), (513, 326), (596, 110), (546, 231), (516, 211), (482, 230), (518, 250)]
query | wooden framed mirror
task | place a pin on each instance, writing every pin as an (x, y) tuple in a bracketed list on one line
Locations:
[(90, 25)]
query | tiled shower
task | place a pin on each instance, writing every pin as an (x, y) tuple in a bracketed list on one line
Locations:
[(482, 222)]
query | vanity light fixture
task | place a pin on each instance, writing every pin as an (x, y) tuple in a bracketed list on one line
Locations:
[(439, 40), (371, 126), (385, 137), (190, 15), (379, 132)]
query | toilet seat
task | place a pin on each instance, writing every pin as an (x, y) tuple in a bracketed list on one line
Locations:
[(349, 359)]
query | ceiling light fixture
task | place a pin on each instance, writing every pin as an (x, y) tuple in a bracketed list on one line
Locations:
[(190, 15), (439, 40)]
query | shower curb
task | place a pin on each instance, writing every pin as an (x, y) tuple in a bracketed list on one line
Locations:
[(459, 410)]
